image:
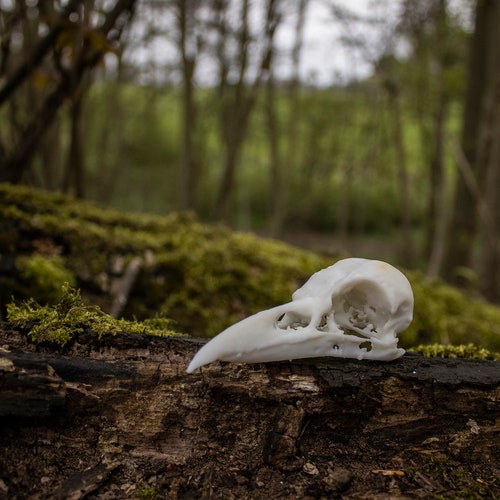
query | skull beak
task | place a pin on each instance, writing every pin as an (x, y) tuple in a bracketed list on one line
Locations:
[(258, 339)]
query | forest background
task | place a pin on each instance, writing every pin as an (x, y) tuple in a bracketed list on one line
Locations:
[(208, 106)]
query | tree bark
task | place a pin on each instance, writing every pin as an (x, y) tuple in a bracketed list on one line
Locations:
[(488, 209), (189, 165), (120, 417), (402, 173), (483, 43), (282, 164), (74, 178), (17, 162), (437, 219), (40, 51), (237, 109)]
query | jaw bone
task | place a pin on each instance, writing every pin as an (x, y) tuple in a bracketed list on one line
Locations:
[(353, 309)]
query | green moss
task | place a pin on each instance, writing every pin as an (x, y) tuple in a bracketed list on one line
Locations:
[(44, 275), (221, 280), (455, 351), (60, 323), (204, 277), (445, 315), (460, 482), (148, 493)]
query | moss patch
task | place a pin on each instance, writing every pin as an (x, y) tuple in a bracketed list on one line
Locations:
[(459, 479), (45, 275), (445, 315), (60, 323), (455, 351), (203, 277)]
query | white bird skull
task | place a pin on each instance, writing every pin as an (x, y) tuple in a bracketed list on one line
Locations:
[(353, 309)]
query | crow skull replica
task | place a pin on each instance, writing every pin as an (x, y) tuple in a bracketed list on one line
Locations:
[(353, 309)]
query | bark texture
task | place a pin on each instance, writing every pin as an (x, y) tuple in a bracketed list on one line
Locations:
[(120, 418)]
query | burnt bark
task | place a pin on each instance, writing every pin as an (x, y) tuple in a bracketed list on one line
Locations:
[(120, 416)]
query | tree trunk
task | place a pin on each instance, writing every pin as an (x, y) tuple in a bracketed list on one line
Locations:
[(437, 222), (402, 173), (189, 166), (462, 239), (488, 222), (437, 216), (18, 159), (120, 418), (281, 167), (277, 187), (74, 179), (237, 108)]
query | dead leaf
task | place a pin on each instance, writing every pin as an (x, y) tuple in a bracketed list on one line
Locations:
[(389, 473)]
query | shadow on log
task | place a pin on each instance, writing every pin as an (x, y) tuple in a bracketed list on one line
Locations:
[(120, 418)]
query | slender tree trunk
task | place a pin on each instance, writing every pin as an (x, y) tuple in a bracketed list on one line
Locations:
[(437, 220), (402, 174), (74, 179), (51, 164), (280, 174), (277, 181), (236, 110), (462, 236), (437, 215), (234, 113), (111, 145), (189, 165), (488, 222)]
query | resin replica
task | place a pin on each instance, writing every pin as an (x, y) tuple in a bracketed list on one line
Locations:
[(353, 309)]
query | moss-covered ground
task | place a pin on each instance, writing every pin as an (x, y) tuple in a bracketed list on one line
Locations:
[(202, 277)]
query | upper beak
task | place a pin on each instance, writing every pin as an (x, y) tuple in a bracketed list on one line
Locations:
[(257, 339)]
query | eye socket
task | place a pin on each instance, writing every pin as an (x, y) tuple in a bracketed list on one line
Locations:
[(361, 309)]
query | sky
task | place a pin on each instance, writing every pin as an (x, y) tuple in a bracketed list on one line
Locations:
[(324, 59)]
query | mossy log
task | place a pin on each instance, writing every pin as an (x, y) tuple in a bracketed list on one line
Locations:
[(203, 277), (119, 417)]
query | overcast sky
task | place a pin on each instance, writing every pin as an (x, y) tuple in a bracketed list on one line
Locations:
[(325, 59)]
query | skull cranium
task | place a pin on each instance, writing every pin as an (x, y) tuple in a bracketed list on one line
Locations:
[(352, 309)]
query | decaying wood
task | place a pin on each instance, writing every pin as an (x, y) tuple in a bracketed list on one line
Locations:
[(120, 418), (122, 287)]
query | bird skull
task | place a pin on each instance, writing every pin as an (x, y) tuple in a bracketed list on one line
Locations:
[(352, 309)]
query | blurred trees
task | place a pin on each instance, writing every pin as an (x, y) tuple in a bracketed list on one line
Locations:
[(206, 106), (48, 49), (476, 218)]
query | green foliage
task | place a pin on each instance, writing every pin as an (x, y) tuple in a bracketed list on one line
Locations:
[(341, 160), (60, 323)]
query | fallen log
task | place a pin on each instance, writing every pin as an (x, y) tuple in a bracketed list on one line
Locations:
[(120, 418)]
